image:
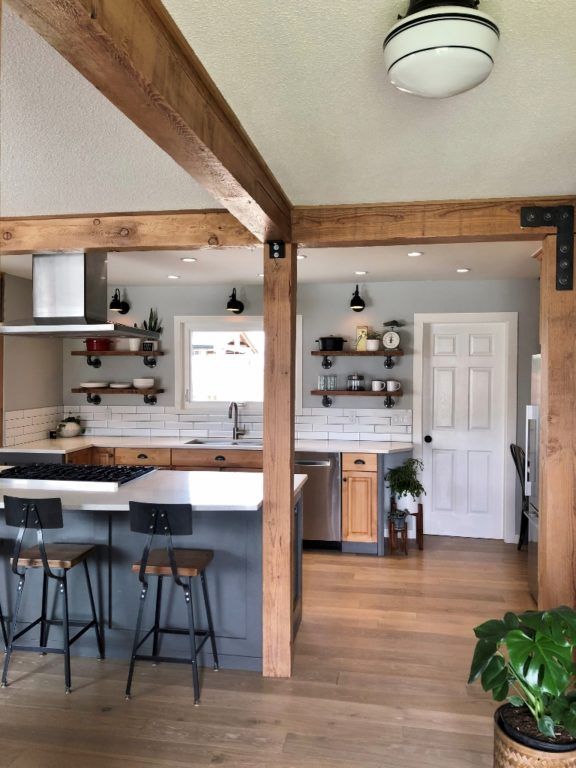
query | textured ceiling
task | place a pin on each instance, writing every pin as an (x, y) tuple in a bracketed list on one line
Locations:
[(322, 265), (307, 81), (65, 149)]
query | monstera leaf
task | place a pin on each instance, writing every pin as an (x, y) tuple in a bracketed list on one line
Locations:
[(542, 662)]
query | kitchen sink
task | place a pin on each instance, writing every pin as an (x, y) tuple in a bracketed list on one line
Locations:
[(222, 442)]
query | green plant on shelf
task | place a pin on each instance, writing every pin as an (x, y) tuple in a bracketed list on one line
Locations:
[(154, 323)]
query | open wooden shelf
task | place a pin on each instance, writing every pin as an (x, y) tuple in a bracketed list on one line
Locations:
[(116, 353), (110, 391), (354, 353), (355, 393)]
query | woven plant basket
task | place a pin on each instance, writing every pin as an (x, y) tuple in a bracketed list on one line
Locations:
[(510, 754)]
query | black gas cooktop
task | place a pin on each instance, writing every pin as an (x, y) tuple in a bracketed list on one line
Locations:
[(70, 476)]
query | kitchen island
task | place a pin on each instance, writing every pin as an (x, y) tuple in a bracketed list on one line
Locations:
[(227, 518)]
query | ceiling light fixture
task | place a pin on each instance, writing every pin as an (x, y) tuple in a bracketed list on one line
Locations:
[(360, 272), (415, 254), (440, 49), (301, 256), (188, 259), (260, 274), (117, 305), (463, 270), (173, 277), (235, 306), (357, 304)]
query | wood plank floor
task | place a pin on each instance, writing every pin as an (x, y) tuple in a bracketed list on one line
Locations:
[(380, 680)]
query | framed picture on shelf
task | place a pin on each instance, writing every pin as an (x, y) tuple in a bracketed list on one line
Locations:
[(361, 338)]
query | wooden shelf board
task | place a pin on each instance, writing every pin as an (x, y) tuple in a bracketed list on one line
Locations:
[(357, 393), (353, 353), (116, 353), (109, 391)]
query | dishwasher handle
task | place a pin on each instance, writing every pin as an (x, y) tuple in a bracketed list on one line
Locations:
[(307, 463)]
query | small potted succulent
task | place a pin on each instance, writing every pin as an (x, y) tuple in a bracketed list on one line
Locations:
[(71, 426), (403, 481), (153, 324), (527, 660), (373, 341)]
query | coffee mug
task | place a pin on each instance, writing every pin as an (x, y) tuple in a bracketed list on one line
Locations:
[(378, 386), (392, 386)]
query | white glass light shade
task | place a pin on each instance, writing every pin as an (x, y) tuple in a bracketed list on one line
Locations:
[(441, 52)]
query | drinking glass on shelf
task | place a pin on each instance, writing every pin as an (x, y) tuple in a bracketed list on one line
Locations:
[(322, 382), (332, 382)]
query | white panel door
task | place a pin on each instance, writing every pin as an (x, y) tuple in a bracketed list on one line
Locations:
[(463, 422)]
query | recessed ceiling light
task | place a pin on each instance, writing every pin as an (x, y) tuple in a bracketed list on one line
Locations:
[(188, 259), (462, 270), (301, 256), (173, 277), (415, 254), (260, 274), (361, 272)]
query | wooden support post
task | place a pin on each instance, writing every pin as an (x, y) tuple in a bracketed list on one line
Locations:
[(557, 534), (280, 332)]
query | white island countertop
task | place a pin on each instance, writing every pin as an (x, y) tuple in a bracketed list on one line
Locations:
[(205, 491), (71, 444)]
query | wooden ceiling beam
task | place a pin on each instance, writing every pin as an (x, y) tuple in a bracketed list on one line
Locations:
[(444, 221), (134, 53), (164, 230)]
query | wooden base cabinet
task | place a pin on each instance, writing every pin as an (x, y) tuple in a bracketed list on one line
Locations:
[(359, 505)]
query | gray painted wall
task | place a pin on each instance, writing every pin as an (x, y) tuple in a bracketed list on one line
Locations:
[(325, 310), (32, 367)]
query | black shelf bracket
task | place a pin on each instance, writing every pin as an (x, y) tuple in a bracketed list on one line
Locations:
[(149, 361), (95, 362), (389, 362), (561, 217), (93, 399), (327, 401), (389, 401), (150, 399), (327, 362)]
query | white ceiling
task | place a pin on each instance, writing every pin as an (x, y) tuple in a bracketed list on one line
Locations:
[(307, 81), (65, 149), (324, 265)]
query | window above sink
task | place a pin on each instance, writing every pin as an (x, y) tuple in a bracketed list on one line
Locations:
[(219, 359)]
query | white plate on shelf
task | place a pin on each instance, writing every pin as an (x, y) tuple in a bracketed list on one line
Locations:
[(94, 384), (120, 385)]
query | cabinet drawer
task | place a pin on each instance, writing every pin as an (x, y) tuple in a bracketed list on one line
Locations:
[(103, 456), (82, 456), (198, 458), (360, 462), (159, 457)]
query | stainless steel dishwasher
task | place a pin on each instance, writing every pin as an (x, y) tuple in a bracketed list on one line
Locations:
[(322, 508)]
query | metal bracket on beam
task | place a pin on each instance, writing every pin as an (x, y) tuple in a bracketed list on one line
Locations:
[(277, 249), (561, 217)]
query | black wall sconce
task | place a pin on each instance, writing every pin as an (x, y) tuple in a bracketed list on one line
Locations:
[(357, 304), (117, 305), (234, 305)]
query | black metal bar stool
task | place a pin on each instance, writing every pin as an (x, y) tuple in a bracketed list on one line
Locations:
[(40, 515), (182, 565), (3, 627)]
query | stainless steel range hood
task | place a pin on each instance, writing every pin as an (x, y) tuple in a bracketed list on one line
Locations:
[(70, 299)]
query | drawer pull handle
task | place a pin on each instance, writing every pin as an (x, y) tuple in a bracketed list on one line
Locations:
[(220, 458), (142, 456), (359, 461)]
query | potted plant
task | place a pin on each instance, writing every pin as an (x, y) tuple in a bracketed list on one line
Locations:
[(373, 341), (527, 660), (403, 481), (71, 426), (153, 324)]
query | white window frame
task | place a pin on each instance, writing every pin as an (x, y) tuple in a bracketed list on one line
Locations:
[(183, 324)]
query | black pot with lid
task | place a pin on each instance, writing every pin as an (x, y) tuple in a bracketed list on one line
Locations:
[(331, 343)]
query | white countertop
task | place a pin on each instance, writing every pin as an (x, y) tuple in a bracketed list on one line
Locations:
[(205, 491), (70, 444)]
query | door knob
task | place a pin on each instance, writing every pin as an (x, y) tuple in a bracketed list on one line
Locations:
[(428, 439)]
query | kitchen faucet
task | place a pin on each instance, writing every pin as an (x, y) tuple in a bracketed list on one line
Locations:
[(233, 413)]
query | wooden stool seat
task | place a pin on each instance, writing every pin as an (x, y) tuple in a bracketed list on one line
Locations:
[(189, 562), (64, 556)]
